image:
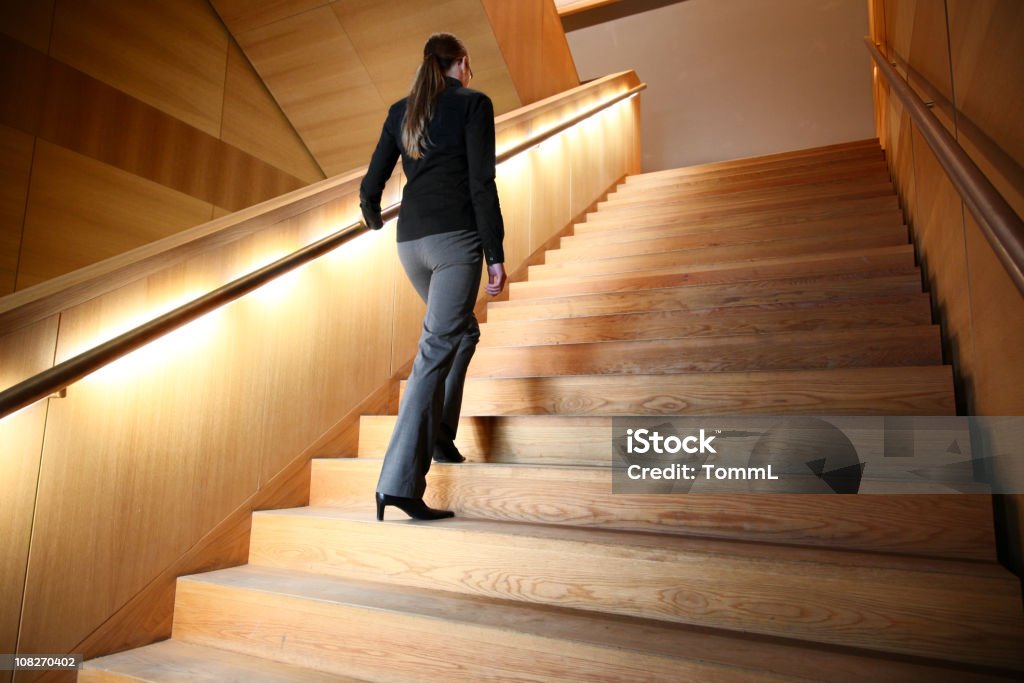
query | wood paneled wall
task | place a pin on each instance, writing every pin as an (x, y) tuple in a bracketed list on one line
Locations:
[(966, 56), (335, 67), (149, 468), (153, 102)]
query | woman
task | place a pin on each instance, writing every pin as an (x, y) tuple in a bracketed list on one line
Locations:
[(444, 133)]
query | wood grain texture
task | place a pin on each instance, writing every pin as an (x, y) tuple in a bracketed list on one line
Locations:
[(87, 116), (879, 260), (848, 391), (660, 254), (24, 353), (389, 39), (15, 170), (255, 124), (728, 585), (934, 526), (314, 73), (65, 229), (28, 22), (782, 291), (801, 350), (173, 660), (113, 42), (552, 644), (867, 312), (687, 236)]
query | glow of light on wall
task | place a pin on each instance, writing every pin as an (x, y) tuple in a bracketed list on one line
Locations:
[(189, 340)]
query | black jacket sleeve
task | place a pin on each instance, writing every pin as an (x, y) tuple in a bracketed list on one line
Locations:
[(482, 189), (382, 164)]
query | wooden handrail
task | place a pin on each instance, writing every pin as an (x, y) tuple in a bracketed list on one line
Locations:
[(58, 377), (1000, 224)]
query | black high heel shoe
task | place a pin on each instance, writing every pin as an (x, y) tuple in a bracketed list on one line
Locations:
[(413, 507), (445, 450)]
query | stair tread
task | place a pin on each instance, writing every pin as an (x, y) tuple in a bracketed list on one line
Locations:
[(175, 661), (784, 291), (769, 658), (907, 345), (898, 259), (891, 312), (950, 573), (905, 390), (530, 492)]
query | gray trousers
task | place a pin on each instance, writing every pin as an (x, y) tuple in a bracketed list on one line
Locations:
[(445, 269)]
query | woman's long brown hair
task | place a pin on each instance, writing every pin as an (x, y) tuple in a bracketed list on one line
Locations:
[(441, 51)]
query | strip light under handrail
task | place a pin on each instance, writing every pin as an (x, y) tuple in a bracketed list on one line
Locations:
[(998, 221), (60, 376)]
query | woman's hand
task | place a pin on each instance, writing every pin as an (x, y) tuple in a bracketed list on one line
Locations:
[(496, 278)]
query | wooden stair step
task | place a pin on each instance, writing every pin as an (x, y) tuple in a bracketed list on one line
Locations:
[(951, 526), (750, 202), (635, 243), (529, 439), (885, 311), (964, 611), (765, 293), (823, 155), (174, 661), (724, 216), (831, 168), (912, 390), (917, 345), (810, 184), (898, 259), (867, 238), (387, 632)]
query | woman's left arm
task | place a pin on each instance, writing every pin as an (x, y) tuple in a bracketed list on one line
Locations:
[(482, 188)]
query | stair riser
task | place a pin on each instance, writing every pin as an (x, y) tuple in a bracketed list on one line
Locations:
[(883, 260), (951, 526), (868, 239), (637, 184), (579, 249), (887, 312), (829, 603), (374, 645), (746, 202), (861, 348), (765, 294), (767, 163), (741, 190), (846, 391), (730, 217)]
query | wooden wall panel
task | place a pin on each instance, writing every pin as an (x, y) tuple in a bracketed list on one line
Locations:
[(987, 44), (550, 205), (533, 43), (28, 21), (68, 226), (309, 64), (940, 227), (15, 168), (244, 15), (114, 42), (389, 38), (24, 353), (254, 123), (997, 317), (558, 69)]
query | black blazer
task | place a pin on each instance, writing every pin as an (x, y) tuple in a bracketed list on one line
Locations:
[(451, 187)]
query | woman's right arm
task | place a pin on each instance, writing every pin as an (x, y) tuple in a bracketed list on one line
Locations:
[(382, 164)]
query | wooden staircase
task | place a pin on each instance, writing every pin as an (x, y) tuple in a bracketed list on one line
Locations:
[(776, 285)]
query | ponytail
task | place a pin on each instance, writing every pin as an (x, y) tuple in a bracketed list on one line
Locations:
[(440, 52)]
